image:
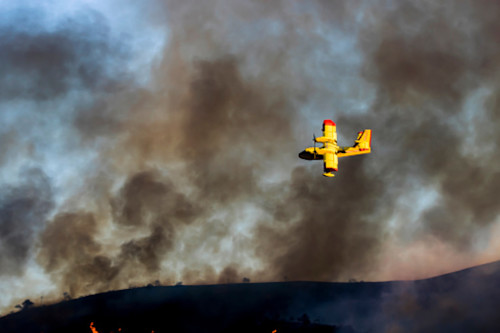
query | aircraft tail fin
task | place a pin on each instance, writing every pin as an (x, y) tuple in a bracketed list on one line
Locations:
[(362, 145), (364, 140)]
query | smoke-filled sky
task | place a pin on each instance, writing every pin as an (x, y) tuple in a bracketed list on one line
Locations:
[(158, 140)]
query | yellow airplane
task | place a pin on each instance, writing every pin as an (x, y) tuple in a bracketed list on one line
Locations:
[(330, 152)]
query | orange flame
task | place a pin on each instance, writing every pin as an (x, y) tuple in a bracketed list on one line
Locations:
[(92, 328), (274, 331)]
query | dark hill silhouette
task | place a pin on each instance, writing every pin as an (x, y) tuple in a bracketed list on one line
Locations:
[(464, 301)]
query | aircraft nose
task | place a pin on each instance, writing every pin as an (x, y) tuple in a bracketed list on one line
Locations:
[(306, 155)]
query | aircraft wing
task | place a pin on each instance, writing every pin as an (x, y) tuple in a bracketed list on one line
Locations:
[(361, 146), (330, 164), (329, 133)]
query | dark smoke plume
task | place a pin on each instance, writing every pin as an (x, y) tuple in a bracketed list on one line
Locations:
[(71, 250), (23, 210), (424, 74), (40, 63), (203, 158), (327, 239)]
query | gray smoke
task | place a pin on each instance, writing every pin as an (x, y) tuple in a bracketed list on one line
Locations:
[(205, 154), (41, 62), (23, 210)]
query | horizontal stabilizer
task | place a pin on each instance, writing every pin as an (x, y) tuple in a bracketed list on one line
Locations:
[(362, 145)]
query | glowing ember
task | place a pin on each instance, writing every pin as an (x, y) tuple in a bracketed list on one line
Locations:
[(274, 331), (92, 328)]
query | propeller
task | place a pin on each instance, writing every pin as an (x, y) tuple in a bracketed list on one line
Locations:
[(314, 139)]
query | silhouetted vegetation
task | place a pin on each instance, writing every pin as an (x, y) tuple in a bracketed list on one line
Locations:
[(25, 305)]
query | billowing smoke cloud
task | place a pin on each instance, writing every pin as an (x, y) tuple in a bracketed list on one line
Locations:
[(23, 210), (424, 74), (70, 250), (40, 61), (325, 240), (194, 176)]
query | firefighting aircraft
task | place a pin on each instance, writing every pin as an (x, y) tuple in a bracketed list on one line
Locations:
[(330, 152)]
